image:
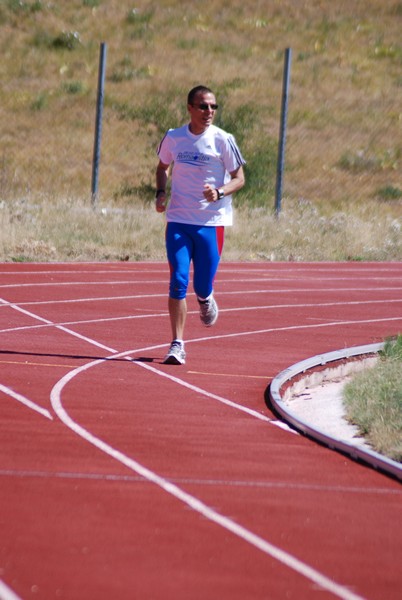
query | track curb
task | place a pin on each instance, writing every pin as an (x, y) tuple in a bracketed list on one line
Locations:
[(302, 369)]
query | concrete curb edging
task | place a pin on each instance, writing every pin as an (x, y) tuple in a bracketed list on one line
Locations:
[(370, 457)]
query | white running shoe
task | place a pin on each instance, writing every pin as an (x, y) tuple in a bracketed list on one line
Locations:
[(176, 354), (208, 311)]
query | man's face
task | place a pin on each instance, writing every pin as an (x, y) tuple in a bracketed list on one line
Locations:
[(201, 112)]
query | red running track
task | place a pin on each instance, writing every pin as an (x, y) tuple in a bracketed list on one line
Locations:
[(125, 478)]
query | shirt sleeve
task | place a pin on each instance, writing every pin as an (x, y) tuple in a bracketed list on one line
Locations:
[(232, 156), (165, 149)]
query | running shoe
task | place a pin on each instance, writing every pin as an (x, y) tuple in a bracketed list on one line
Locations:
[(176, 354), (208, 311)]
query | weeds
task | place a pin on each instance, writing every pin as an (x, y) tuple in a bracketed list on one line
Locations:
[(392, 348), (74, 87), (364, 160), (373, 400), (19, 6), (389, 192), (32, 226)]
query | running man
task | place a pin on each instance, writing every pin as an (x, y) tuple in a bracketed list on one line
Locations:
[(207, 168)]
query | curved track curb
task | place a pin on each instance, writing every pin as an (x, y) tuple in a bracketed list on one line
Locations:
[(367, 456)]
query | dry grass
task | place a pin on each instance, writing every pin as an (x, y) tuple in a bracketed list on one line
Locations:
[(70, 230), (46, 229), (342, 188)]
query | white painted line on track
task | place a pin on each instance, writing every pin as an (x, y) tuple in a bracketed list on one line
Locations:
[(221, 336), (220, 399), (247, 292), (197, 505), (74, 271), (90, 299), (199, 390), (206, 338), (242, 307), (182, 382), (135, 281), (86, 321), (60, 327), (309, 291), (310, 305), (32, 405), (190, 312), (7, 593), (295, 327), (181, 495), (281, 485)]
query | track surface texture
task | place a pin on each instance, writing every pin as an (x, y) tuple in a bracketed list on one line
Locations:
[(123, 478)]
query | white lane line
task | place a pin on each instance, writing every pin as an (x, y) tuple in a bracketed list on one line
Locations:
[(194, 503), (242, 307), (311, 291), (220, 399), (198, 390), (163, 314), (221, 293), (7, 593), (280, 485), (32, 405), (313, 305), (221, 336), (90, 299), (135, 281), (315, 269), (294, 327), (60, 327), (128, 271), (86, 321), (182, 382)]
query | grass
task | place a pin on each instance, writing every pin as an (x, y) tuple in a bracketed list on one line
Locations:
[(373, 401), (343, 142), (49, 229)]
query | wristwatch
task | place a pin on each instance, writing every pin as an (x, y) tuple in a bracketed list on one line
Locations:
[(221, 193)]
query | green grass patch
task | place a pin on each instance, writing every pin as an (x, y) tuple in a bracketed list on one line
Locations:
[(65, 40), (40, 102), (74, 87), (373, 401), (365, 160), (389, 192), (19, 6)]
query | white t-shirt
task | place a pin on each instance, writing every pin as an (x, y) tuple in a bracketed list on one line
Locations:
[(199, 159)]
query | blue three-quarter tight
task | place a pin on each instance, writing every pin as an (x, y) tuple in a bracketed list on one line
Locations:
[(200, 244)]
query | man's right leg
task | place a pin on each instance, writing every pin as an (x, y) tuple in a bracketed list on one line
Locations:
[(177, 313), (179, 251)]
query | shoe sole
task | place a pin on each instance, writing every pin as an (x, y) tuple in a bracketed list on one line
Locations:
[(172, 360)]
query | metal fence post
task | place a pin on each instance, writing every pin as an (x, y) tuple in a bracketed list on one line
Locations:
[(98, 124), (282, 132)]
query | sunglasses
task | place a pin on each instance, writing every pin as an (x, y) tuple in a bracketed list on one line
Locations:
[(205, 106)]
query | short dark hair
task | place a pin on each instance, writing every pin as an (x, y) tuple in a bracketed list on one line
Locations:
[(198, 88)]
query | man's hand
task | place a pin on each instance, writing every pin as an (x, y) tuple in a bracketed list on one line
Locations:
[(210, 193), (160, 202)]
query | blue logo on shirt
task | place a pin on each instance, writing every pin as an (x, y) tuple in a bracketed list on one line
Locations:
[(189, 157)]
